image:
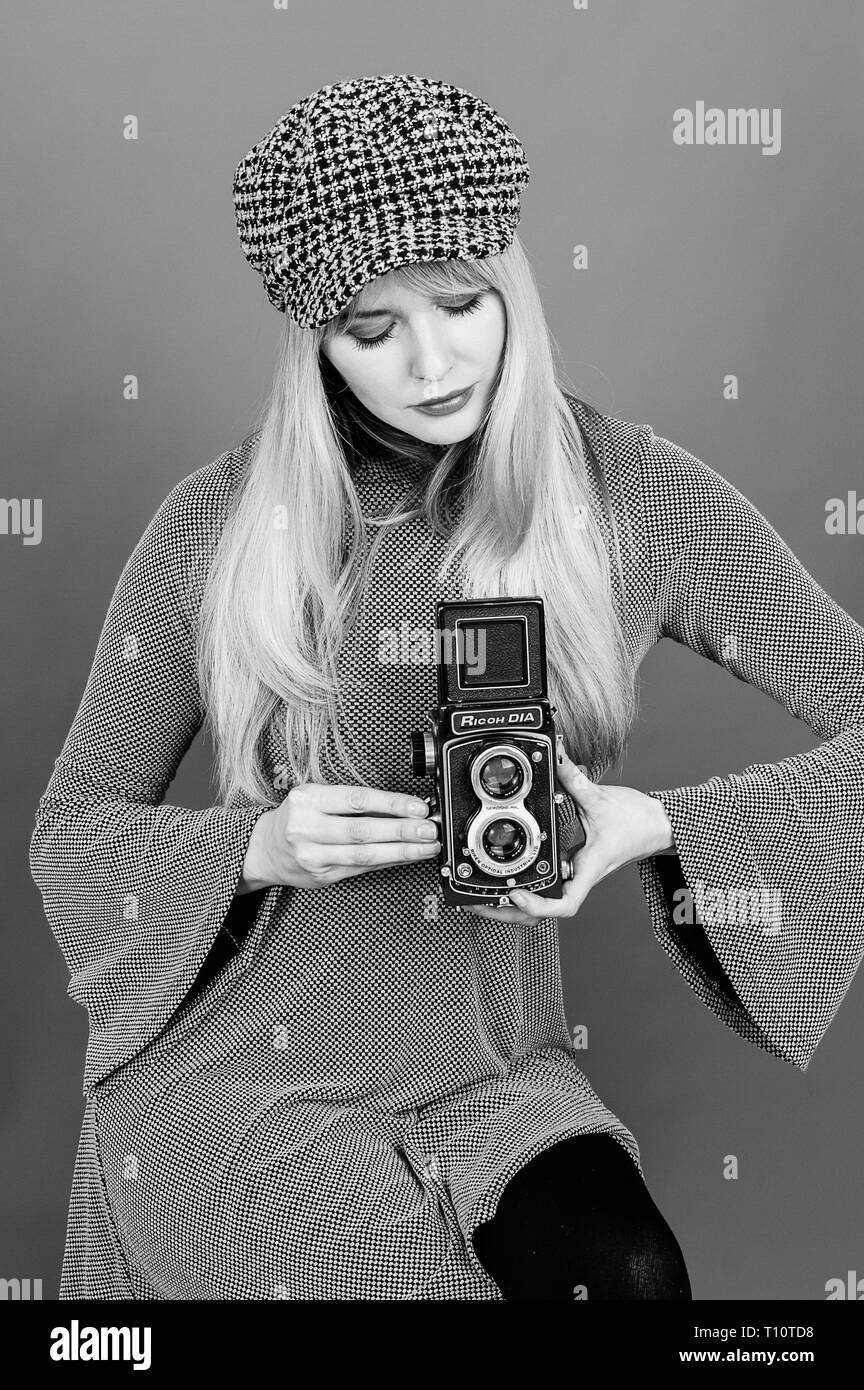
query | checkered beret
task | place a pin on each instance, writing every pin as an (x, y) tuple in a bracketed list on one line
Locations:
[(372, 173)]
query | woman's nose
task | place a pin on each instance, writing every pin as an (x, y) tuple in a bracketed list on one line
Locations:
[(430, 356)]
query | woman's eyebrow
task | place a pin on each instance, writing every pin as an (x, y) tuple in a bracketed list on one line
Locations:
[(394, 313), (372, 313)]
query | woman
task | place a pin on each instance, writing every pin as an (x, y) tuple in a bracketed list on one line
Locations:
[(307, 1075)]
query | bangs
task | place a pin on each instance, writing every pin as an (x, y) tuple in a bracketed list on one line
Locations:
[(442, 277)]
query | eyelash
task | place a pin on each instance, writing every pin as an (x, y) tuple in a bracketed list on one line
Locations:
[(382, 337)]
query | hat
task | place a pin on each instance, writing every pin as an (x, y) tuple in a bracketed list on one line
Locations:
[(372, 173)]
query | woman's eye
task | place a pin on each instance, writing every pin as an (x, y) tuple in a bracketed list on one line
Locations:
[(454, 310), (372, 342), (468, 308)]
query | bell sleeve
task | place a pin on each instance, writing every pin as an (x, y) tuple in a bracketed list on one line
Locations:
[(137, 892), (761, 908)]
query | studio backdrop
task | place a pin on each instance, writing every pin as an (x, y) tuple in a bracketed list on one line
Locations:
[(700, 271)]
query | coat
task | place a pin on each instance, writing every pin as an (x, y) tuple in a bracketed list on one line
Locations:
[(317, 1094)]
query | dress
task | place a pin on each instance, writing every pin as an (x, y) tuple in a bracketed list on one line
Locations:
[(333, 1111)]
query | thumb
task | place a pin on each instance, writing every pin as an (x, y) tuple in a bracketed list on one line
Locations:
[(573, 776)]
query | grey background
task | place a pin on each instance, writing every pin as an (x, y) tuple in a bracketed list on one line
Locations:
[(121, 257)]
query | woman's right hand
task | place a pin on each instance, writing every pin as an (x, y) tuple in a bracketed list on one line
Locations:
[(321, 833)]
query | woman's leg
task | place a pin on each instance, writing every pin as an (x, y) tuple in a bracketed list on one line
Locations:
[(579, 1216)]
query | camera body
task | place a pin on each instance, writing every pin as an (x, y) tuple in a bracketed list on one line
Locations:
[(491, 747)]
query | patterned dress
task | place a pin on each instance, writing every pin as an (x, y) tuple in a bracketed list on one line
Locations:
[(323, 1101)]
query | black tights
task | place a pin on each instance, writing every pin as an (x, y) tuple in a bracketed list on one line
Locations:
[(579, 1222)]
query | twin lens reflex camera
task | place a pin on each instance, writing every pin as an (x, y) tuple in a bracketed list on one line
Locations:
[(491, 748)]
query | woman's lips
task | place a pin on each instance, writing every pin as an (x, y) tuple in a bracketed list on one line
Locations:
[(447, 407)]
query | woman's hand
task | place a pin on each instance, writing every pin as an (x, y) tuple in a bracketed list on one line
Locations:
[(620, 824), (321, 833)]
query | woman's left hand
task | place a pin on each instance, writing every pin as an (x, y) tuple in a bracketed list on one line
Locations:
[(620, 823)]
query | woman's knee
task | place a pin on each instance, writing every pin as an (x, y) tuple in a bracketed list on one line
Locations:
[(579, 1222)]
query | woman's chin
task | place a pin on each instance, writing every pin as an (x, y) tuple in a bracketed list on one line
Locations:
[(442, 438)]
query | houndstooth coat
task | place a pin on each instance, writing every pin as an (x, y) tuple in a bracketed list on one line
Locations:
[(319, 1094)]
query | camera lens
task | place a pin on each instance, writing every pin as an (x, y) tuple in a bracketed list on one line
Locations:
[(503, 840), (501, 776)]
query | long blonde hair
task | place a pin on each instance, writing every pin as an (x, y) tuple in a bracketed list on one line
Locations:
[(278, 597)]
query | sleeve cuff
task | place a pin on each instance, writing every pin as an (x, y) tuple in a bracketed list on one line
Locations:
[(722, 925), (137, 994)]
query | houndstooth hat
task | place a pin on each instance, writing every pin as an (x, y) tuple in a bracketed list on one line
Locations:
[(372, 173)]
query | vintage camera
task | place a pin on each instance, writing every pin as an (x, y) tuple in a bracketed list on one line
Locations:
[(492, 751)]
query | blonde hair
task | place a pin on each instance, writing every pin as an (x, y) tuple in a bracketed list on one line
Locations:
[(277, 599)]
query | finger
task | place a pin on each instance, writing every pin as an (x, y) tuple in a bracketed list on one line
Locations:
[(576, 890), (369, 855), (339, 871), (574, 779), (347, 800), (501, 914), (358, 830)]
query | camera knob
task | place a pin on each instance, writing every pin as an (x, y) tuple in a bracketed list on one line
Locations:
[(422, 753)]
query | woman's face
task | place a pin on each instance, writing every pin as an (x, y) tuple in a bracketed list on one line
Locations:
[(426, 347)]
